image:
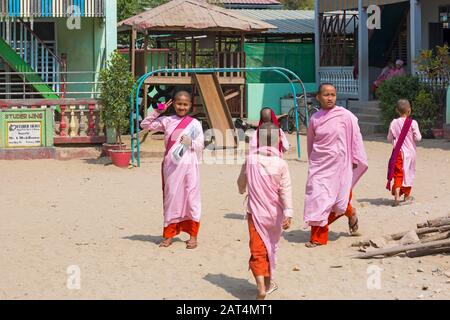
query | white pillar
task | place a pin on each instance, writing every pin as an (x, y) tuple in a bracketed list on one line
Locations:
[(317, 39), (415, 32), (363, 53)]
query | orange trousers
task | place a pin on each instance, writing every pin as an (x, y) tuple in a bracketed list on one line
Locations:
[(319, 235), (188, 226), (398, 178), (259, 258)]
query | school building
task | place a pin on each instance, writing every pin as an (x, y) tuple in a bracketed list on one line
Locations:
[(407, 27), (51, 53)]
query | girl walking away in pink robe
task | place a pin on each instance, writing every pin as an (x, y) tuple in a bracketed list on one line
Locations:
[(183, 137), (337, 160), (269, 207), (403, 134), (268, 116)]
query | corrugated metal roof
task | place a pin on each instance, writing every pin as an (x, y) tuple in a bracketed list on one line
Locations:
[(287, 21), (333, 5), (247, 1), (194, 15)]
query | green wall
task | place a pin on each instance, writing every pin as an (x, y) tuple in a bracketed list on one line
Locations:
[(297, 57), (261, 95), (267, 88), (87, 48)]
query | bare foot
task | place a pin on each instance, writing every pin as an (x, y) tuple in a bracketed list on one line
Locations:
[(166, 243), (396, 203), (312, 244), (191, 243)]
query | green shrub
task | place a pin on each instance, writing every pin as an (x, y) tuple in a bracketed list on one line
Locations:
[(424, 107), (116, 82), (390, 91)]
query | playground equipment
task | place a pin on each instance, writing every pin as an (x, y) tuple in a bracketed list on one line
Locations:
[(216, 108), (210, 90)]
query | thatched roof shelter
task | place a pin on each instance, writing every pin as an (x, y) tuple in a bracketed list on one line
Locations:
[(193, 16)]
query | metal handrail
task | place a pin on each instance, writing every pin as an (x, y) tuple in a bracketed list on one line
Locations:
[(134, 97)]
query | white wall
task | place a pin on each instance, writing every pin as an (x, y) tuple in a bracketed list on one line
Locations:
[(430, 13)]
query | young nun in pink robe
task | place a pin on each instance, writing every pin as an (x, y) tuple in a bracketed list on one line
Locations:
[(184, 143), (269, 207), (337, 160), (403, 134)]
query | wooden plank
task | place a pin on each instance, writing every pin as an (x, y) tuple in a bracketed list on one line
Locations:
[(216, 109), (133, 36), (232, 95)]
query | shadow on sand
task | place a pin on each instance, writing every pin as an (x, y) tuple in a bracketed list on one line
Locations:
[(239, 288)]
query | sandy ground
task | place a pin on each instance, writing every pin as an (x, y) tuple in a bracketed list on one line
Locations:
[(107, 221)]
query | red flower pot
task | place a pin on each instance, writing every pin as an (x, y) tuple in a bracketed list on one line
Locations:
[(107, 147), (438, 133), (121, 158)]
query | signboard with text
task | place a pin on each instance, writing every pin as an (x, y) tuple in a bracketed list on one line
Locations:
[(26, 128), (24, 134)]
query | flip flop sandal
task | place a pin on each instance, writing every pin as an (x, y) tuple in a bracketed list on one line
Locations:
[(273, 287), (353, 229), (312, 244), (165, 243), (191, 245)]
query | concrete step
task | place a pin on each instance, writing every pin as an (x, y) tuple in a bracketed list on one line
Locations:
[(363, 104), (368, 128), (370, 118), (366, 111)]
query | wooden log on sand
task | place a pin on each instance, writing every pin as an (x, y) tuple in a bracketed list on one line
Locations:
[(427, 252), (398, 249), (435, 222), (421, 232), (435, 237)]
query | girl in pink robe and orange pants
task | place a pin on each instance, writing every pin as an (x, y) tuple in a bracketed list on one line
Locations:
[(184, 142), (403, 168), (269, 208)]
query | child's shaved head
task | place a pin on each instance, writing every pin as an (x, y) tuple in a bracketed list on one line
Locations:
[(183, 93), (403, 107), (266, 115)]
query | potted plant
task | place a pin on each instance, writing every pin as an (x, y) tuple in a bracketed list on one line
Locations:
[(434, 70), (116, 83)]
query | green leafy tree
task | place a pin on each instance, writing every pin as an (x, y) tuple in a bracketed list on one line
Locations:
[(116, 83), (436, 67), (129, 8), (298, 4)]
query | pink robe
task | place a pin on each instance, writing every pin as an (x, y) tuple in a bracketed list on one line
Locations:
[(334, 145), (253, 145), (408, 149), (181, 178), (269, 196)]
